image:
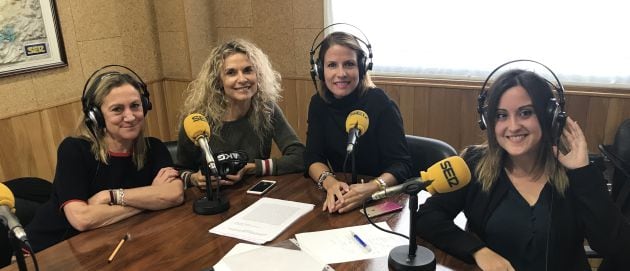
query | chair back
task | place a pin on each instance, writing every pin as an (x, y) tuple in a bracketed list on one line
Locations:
[(426, 151), (172, 149)]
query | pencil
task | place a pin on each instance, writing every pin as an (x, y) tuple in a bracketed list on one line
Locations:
[(122, 241)]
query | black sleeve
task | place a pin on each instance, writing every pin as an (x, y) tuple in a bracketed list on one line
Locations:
[(435, 222), (74, 171), (607, 230), (392, 143), (314, 134)]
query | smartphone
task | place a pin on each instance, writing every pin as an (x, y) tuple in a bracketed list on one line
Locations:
[(261, 187), (382, 208)]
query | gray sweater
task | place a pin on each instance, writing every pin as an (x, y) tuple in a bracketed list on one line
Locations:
[(240, 135)]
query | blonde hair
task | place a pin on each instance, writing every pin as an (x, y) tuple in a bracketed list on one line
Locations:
[(96, 136), (205, 94)]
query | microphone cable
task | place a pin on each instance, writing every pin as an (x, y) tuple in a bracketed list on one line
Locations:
[(374, 224), (549, 230), (30, 250)]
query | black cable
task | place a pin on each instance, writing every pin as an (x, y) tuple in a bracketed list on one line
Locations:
[(373, 224), (549, 231), (30, 250)]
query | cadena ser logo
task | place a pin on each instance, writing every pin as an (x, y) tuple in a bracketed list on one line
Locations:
[(449, 173), (198, 118), (35, 49)]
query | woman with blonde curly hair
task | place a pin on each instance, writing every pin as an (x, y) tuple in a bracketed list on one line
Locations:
[(237, 90)]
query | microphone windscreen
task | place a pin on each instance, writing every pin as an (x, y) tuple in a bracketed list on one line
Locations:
[(196, 125), (6, 197), (447, 175), (359, 119)]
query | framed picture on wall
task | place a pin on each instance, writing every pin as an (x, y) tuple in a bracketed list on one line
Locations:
[(30, 38)]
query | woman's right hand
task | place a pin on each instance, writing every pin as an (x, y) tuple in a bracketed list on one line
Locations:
[(165, 175), (199, 180), (334, 194), (489, 260)]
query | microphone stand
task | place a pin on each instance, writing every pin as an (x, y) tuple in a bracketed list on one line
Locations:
[(210, 204), (412, 256), (354, 169), (17, 250)]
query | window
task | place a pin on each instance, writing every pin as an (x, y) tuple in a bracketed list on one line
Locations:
[(583, 42)]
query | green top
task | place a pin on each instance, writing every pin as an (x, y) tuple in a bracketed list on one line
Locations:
[(240, 135)]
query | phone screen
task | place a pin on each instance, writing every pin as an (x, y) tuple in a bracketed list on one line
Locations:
[(261, 187)]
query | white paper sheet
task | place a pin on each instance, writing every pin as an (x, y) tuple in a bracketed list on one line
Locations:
[(263, 221), (338, 245), (245, 257)]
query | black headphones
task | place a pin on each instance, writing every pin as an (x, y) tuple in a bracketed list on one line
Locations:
[(317, 67), (93, 116), (555, 107)]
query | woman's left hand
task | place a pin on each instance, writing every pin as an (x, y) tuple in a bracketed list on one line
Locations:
[(356, 195), (577, 155), (232, 179)]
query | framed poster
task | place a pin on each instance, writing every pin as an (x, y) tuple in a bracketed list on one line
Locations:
[(30, 39)]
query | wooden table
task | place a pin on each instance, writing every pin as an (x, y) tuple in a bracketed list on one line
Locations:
[(178, 239)]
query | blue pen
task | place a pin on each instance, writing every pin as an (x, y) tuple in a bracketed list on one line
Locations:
[(360, 241)]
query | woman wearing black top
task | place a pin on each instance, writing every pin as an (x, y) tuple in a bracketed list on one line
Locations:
[(381, 151), (109, 171), (529, 206)]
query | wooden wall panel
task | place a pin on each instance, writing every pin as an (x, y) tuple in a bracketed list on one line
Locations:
[(420, 110), (447, 112), (174, 99)]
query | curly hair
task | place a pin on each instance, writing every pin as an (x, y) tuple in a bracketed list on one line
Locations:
[(205, 94)]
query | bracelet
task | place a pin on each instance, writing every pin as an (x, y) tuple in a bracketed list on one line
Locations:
[(185, 175), (322, 177), (382, 185), (111, 197), (122, 197)]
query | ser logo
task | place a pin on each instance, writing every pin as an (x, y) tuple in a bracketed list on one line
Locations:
[(449, 173), (198, 118), (35, 49)]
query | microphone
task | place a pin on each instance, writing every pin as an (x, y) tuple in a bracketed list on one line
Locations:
[(7, 208), (198, 130), (445, 176), (357, 124)]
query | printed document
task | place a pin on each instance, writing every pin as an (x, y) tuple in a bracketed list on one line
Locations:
[(253, 257), (339, 245), (263, 221)]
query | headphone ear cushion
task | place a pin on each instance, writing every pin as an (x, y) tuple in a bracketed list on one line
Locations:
[(557, 119), (94, 118), (320, 69), (483, 120), (146, 104)]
